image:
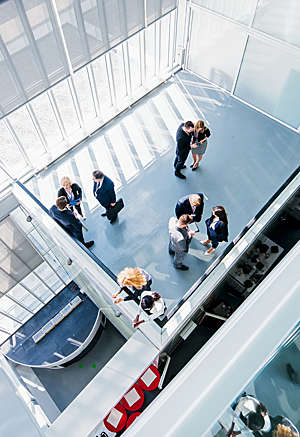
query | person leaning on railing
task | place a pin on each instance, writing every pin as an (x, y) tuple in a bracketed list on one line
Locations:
[(137, 279)]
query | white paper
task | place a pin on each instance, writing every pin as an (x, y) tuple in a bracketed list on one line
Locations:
[(148, 377), (132, 397), (114, 417)]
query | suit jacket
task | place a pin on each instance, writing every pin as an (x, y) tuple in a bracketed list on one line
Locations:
[(67, 221), (179, 239), (184, 207), (106, 193), (220, 233), (183, 141), (76, 190)]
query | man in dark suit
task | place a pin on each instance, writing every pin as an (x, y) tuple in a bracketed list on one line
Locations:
[(104, 191), (191, 204), (183, 140), (65, 218)]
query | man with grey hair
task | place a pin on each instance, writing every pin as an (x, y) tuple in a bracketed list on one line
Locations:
[(180, 238)]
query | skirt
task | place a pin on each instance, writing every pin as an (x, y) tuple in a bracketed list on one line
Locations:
[(200, 150)]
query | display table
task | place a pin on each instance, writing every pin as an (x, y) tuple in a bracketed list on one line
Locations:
[(132, 418), (133, 399), (116, 418), (150, 379)]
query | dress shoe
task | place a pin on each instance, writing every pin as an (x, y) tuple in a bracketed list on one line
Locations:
[(171, 252), (194, 168), (179, 175), (103, 214), (182, 267), (291, 373), (183, 166), (192, 165), (89, 244)]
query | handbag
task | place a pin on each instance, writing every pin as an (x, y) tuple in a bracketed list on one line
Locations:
[(114, 210)]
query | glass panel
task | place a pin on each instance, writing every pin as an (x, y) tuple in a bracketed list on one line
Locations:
[(84, 94), (135, 61), (19, 48), (279, 19), (48, 275), (164, 42), (114, 20), (41, 26), (8, 324), (217, 57), (11, 264), (150, 51), (102, 83), (66, 106), (279, 96), (118, 72), (235, 9), (11, 95), (156, 8), (96, 36), (74, 39), (13, 309), (33, 283), (27, 135), (22, 295), (46, 118), (10, 153), (6, 281)]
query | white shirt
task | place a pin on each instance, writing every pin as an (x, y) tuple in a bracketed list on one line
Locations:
[(158, 308)]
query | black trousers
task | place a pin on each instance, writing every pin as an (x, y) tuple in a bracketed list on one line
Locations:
[(180, 160)]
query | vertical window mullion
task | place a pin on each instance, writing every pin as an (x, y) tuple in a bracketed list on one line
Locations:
[(29, 34), (92, 82), (126, 69), (111, 81), (75, 100), (37, 127), (81, 27), (16, 140), (57, 115)]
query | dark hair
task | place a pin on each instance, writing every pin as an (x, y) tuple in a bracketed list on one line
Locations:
[(147, 302), (185, 219), (220, 212), (156, 296), (98, 174), (255, 421), (61, 202), (189, 124)]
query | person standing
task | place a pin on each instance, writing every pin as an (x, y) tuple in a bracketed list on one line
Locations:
[(72, 192), (137, 279), (192, 204), (180, 238), (104, 191), (66, 219), (183, 140), (217, 228), (199, 143), (152, 305)]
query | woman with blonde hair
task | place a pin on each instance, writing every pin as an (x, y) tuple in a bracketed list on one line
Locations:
[(137, 279), (284, 431), (73, 194), (199, 143)]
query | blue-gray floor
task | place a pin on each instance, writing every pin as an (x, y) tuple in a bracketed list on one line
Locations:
[(248, 157)]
